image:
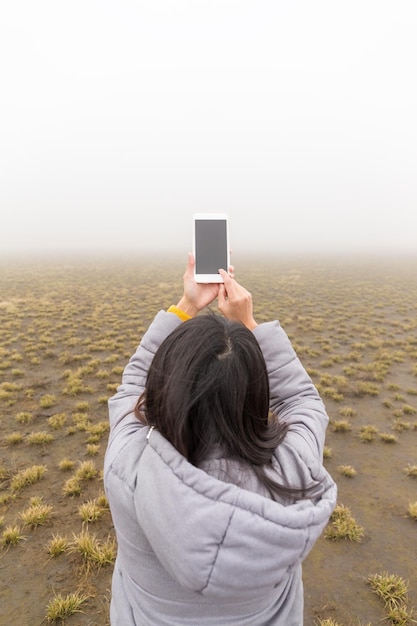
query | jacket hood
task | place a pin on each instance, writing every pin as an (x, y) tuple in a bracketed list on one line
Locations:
[(214, 537)]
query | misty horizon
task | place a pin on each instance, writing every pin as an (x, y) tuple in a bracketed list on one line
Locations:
[(121, 120)]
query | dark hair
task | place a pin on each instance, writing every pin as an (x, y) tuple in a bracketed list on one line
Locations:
[(208, 385)]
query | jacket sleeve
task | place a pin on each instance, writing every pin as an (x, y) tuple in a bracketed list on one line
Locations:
[(122, 404), (294, 397)]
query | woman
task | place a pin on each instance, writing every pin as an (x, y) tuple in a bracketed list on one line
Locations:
[(214, 469)]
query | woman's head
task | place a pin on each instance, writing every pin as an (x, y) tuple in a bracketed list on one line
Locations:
[(208, 385)]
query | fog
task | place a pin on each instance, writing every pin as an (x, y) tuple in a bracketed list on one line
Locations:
[(120, 119)]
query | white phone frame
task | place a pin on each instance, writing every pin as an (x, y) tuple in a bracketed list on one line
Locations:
[(211, 278)]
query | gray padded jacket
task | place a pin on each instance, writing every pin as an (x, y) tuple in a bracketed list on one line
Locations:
[(201, 546)]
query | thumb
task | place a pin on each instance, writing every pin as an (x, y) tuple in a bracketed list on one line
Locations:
[(189, 270)]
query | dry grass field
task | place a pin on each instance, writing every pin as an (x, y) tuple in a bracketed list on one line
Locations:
[(67, 329)]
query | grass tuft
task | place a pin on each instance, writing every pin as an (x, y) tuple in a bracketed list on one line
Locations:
[(91, 511), (24, 417), (66, 465), (39, 438), (412, 510), (11, 536), (57, 545), (47, 401), (343, 525), (388, 437), (13, 439), (411, 470), (37, 514), (27, 477), (72, 487), (392, 590), (95, 552), (367, 433), (341, 426), (347, 470), (61, 607), (57, 421)]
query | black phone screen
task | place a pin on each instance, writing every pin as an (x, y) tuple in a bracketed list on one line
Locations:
[(210, 246)]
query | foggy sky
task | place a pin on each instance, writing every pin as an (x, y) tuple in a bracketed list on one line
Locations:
[(120, 119)]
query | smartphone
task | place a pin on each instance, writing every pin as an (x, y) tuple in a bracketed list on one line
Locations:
[(210, 246)]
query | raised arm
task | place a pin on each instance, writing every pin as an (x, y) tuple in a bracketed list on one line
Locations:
[(294, 397), (122, 404), (195, 297)]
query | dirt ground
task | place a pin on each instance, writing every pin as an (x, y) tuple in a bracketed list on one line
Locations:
[(68, 327)]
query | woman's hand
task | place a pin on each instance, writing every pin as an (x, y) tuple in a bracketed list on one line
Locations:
[(235, 302), (196, 295)]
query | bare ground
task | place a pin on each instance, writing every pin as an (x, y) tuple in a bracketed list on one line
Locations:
[(67, 329)]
